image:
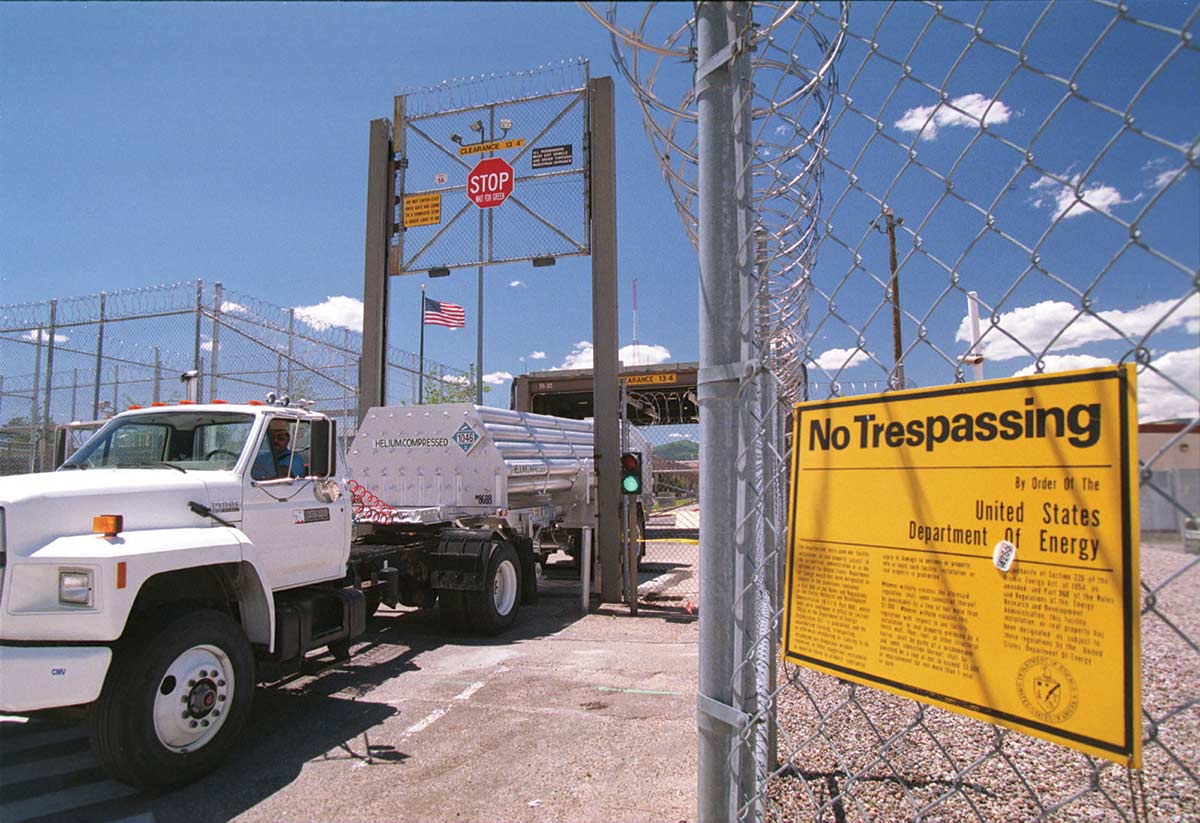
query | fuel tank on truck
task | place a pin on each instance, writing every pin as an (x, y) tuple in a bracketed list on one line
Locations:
[(442, 461)]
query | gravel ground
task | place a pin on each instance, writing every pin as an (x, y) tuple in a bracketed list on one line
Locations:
[(858, 754)]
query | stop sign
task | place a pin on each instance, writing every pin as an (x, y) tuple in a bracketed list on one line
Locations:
[(490, 183)]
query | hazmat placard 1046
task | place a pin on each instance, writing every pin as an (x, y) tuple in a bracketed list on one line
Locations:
[(974, 547)]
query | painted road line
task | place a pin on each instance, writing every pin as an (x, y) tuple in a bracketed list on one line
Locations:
[(660, 692), (437, 714)]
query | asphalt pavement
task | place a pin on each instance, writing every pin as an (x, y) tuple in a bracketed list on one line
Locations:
[(566, 718)]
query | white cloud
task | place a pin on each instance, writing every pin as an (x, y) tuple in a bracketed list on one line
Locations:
[(229, 307), (537, 355), (1192, 326), (497, 377), (678, 436), (579, 358), (1094, 197), (1037, 325), (515, 283), (207, 345), (972, 109), (456, 379), (1163, 178), (343, 312), (646, 355), (643, 355), (1159, 399), (833, 359), (1065, 362), (43, 336)]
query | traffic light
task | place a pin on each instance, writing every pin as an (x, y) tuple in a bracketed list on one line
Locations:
[(631, 473)]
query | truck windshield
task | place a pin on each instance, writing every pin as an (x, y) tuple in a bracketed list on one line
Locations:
[(185, 441)]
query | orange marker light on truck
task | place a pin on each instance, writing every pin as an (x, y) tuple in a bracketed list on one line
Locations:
[(121, 575), (109, 525)]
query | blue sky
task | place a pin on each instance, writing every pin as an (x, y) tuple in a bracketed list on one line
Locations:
[(144, 144)]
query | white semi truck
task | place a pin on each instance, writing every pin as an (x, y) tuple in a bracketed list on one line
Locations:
[(178, 557)]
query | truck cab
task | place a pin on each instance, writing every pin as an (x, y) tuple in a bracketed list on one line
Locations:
[(168, 534)]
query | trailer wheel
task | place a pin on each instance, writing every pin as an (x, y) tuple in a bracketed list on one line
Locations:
[(175, 700), (494, 609)]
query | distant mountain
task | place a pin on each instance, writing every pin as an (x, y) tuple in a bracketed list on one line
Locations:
[(679, 450)]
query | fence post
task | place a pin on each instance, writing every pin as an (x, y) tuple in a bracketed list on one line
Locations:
[(291, 346), (1, 399), (116, 387), (74, 391), (216, 329), (43, 451), (99, 359), (156, 383), (717, 385), (197, 365), (35, 425)]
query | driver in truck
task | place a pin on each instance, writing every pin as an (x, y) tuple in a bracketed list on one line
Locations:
[(275, 457)]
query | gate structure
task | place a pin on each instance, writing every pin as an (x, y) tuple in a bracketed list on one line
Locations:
[(922, 194)]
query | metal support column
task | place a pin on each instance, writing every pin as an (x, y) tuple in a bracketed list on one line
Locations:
[(47, 440), (216, 333), (719, 721), (100, 355), (197, 360), (291, 353), (601, 142), (372, 365)]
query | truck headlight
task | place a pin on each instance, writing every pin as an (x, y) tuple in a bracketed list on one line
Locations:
[(75, 587)]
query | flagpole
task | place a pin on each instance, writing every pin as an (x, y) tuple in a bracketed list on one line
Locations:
[(421, 366)]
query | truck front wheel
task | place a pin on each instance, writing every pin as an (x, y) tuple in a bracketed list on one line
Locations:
[(175, 700), (494, 609)]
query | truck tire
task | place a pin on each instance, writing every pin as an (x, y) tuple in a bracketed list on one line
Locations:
[(175, 699), (494, 609)]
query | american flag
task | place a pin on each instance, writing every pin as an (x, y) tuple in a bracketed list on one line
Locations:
[(438, 313)]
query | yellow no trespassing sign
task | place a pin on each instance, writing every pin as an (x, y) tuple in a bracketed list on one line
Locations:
[(975, 547)]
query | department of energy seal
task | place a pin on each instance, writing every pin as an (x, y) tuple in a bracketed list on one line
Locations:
[(1047, 689)]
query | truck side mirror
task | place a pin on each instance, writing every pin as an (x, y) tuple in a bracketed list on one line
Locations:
[(322, 460)]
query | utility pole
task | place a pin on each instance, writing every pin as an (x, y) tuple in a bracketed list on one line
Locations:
[(898, 368)]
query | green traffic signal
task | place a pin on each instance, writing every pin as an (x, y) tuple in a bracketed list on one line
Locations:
[(631, 473)]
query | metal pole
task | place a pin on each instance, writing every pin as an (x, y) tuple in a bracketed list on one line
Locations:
[(74, 392), (585, 571), (974, 357), (116, 387), (49, 395), (345, 375), (156, 385), (197, 363), (897, 348), (603, 186), (216, 333), (35, 425), (381, 194), (421, 356), (479, 323), (290, 347), (717, 385), (100, 359)]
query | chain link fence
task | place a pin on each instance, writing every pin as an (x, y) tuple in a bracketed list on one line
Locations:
[(85, 358), (534, 121), (920, 194)]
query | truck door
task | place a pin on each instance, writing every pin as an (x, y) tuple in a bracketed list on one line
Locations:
[(299, 538)]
